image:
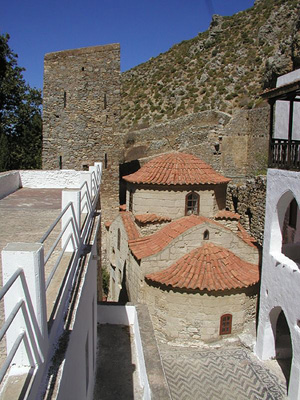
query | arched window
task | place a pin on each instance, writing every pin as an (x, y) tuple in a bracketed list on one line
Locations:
[(206, 235), (192, 201), (290, 229), (225, 324)]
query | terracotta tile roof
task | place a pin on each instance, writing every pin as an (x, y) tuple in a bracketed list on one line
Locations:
[(152, 244), (149, 218), (244, 235), (224, 214), (130, 227), (122, 207), (209, 267), (176, 169)]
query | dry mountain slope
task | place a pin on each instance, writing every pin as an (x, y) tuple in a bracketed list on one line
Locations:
[(223, 68)]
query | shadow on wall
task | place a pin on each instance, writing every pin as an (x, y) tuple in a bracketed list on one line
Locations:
[(114, 375)]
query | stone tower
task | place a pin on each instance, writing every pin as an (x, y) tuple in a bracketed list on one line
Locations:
[(81, 112), (81, 106)]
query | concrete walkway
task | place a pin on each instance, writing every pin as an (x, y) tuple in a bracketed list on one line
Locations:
[(25, 216)]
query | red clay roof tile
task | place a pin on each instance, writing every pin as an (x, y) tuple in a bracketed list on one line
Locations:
[(245, 236), (151, 218), (176, 169), (142, 247), (224, 214), (130, 227), (148, 245), (209, 267)]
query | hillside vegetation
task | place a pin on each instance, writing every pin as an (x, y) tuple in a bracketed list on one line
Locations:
[(223, 68)]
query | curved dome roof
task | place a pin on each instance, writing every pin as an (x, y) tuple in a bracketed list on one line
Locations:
[(209, 267), (176, 169)]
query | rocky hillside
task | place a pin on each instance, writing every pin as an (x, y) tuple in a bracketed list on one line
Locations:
[(224, 68)]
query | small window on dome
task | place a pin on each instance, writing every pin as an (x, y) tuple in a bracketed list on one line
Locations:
[(206, 235), (192, 203), (225, 324)]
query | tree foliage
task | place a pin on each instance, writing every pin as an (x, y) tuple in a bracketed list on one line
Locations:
[(20, 115)]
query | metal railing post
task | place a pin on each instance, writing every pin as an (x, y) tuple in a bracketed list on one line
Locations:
[(93, 171), (73, 213), (86, 176), (29, 287)]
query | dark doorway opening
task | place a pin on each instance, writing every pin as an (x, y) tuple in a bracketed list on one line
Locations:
[(283, 345), (123, 296), (126, 169)]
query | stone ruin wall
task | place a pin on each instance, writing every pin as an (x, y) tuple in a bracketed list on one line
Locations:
[(81, 125), (249, 200), (234, 145)]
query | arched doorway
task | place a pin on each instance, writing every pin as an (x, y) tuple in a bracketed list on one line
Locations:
[(283, 346)]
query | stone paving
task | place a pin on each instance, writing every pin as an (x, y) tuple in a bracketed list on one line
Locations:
[(219, 374)]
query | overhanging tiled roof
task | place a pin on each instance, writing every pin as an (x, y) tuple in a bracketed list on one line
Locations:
[(152, 244), (224, 214), (282, 92), (176, 169), (244, 235), (209, 267), (151, 218), (146, 246), (130, 227)]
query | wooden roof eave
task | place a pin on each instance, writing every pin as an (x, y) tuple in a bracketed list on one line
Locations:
[(284, 92)]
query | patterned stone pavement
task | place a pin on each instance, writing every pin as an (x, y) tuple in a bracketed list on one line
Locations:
[(225, 374)]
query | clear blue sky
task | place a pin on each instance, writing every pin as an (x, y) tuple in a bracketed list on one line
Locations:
[(144, 28)]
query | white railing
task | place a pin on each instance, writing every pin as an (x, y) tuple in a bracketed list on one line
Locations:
[(31, 335), (27, 332)]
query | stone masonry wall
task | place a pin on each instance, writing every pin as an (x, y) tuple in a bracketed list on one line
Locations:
[(81, 112), (171, 203), (188, 317), (233, 145), (249, 200), (81, 105)]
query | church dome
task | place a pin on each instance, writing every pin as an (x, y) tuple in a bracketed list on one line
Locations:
[(176, 169)]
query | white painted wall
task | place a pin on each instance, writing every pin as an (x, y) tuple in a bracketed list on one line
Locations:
[(56, 179), (280, 280), (127, 315), (84, 327), (282, 110), (9, 183)]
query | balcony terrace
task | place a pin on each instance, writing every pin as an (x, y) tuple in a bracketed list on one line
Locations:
[(284, 144)]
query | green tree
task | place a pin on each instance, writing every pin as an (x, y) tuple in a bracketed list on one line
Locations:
[(20, 115)]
